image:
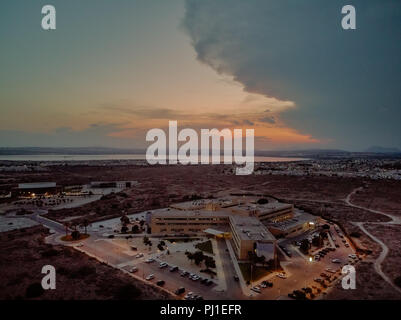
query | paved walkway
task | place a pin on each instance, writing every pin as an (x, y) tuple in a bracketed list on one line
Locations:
[(245, 289)]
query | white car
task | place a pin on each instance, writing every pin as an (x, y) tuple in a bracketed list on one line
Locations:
[(256, 289), (150, 277), (150, 260), (133, 269), (282, 276), (80, 244), (139, 255), (352, 256), (163, 265), (189, 296), (336, 261)]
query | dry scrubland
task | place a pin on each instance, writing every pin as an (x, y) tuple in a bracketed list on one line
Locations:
[(369, 285), (324, 196), (23, 253), (391, 236), (381, 195)]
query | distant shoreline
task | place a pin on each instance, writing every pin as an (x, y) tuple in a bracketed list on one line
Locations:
[(112, 157)]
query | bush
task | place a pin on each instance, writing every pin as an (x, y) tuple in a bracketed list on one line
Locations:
[(397, 281), (86, 270), (127, 292), (49, 253), (76, 235), (355, 234), (34, 290), (82, 272)]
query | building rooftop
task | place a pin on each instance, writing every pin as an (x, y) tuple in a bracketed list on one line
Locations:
[(37, 185), (299, 219), (250, 228), (172, 212)]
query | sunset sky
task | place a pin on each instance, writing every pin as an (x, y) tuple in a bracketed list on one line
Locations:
[(114, 69)]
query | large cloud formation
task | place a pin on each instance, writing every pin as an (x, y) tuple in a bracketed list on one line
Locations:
[(346, 84)]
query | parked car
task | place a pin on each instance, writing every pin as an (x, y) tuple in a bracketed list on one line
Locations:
[(209, 282), (330, 270), (150, 277), (133, 269), (189, 296), (150, 260), (173, 268), (256, 289), (163, 265), (139, 255), (179, 291)]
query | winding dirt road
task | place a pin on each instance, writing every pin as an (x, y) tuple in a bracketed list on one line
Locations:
[(394, 221)]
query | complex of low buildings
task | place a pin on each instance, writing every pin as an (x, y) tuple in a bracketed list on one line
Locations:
[(252, 223), (36, 188)]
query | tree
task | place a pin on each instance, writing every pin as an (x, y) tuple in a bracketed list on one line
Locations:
[(124, 229), (66, 225), (76, 235), (135, 228), (198, 257), (305, 245), (124, 219), (145, 240), (190, 256), (317, 241), (262, 260), (209, 262), (85, 224)]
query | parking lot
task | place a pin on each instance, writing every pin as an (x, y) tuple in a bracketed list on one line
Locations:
[(301, 272)]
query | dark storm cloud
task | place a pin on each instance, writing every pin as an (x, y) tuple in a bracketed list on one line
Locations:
[(296, 50)]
